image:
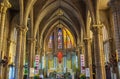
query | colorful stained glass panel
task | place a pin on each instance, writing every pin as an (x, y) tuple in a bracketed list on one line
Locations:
[(59, 38), (50, 42)]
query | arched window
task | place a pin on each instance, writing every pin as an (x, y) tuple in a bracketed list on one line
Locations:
[(50, 42), (60, 44), (59, 38), (68, 38)]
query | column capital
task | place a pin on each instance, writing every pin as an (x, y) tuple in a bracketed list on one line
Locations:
[(1, 7), (81, 46), (96, 28), (86, 40), (11, 41), (25, 29), (19, 27), (97, 25), (5, 5), (32, 39), (110, 39), (38, 48), (22, 28)]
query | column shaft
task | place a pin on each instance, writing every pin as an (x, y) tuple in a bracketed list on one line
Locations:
[(78, 54), (98, 50), (18, 53), (115, 7), (3, 8), (88, 56), (31, 56), (2, 27), (22, 61), (6, 74)]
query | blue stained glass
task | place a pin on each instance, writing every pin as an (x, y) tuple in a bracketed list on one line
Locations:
[(55, 62), (50, 42), (11, 73), (59, 39)]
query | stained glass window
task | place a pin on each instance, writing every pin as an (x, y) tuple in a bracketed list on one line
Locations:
[(59, 38), (69, 45), (50, 42), (68, 39), (63, 39)]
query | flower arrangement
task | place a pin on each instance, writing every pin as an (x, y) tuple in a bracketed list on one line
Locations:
[(36, 76), (82, 76)]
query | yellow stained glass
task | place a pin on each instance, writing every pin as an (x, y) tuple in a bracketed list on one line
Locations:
[(69, 64), (65, 39), (50, 42), (51, 65), (68, 38)]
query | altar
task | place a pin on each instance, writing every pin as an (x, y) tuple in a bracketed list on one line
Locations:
[(60, 63)]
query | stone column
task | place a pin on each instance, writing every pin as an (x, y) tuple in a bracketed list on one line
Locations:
[(82, 49), (34, 51), (31, 55), (79, 51), (98, 52), (6, 74), (23, 52), (3, 8), (115, 7), (18, 52), (78, 54), (88, 56)]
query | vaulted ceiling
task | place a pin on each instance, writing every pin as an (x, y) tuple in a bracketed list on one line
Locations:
[(74, 13)]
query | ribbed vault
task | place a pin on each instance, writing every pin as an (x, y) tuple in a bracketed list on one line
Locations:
[(49, 17), (74, 14)]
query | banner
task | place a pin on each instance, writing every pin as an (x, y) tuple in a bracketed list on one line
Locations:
[(31, 72), (37, 63), (82, 61), (87, 72)]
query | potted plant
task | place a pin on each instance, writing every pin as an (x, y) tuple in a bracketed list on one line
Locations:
[(36, 76), (82, 76)]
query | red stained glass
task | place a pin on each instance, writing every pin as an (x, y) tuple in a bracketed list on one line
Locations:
[(60, 56)]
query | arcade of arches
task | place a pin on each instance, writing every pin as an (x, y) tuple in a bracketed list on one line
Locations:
[(79, 37)]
